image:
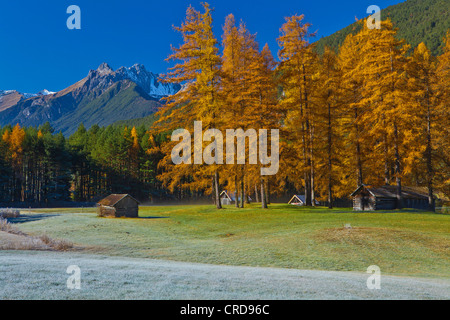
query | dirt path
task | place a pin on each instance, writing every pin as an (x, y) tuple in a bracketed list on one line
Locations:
[(42, 275)]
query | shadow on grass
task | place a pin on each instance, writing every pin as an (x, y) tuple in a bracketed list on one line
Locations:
[(324, 210), (283, 207), (409, 211), (317, 209), (140, 218), (33, 218)]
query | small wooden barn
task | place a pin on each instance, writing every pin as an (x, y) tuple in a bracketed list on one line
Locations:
[(227, 198), (300, 200), (119, 206), (366, 198)]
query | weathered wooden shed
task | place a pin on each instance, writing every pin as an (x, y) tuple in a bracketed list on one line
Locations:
[(366, 198), (119, 206), (300, 200), (227, 198)]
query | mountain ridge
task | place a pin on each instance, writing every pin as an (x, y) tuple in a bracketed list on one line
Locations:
[(103, 97)]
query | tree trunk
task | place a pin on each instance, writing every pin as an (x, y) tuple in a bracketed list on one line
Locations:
[(217, 192), (308, 188), (256, 194), (247, 198), (429, 159), (313, 195), (213, 193), (387, 178), (330, 162), (263, 194), (308, 146), (398, 170), (242, 192), (236, 190), (360, 180)]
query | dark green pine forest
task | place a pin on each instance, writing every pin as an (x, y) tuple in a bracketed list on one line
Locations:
[(41, 168)]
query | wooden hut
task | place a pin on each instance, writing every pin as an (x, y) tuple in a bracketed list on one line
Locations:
[(119, 206), (366, 198), (227, 198), (300, 200)]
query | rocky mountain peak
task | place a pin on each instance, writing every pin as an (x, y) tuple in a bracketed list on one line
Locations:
[(104, 69), (139, 67), (147, 80)]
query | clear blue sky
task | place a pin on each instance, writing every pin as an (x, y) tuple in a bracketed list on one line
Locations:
[(38, 52)]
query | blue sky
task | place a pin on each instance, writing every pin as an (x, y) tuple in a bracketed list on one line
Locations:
[(38, 51)]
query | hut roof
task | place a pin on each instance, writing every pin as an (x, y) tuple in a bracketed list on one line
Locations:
[(113, 199), (301, 198), (225, 193), (391, 192), (232, 196)]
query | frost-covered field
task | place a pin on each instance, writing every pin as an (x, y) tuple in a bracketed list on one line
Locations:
[(42, 275)]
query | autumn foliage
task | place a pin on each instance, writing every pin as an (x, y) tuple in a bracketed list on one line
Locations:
[(368, 114), (375, 112)]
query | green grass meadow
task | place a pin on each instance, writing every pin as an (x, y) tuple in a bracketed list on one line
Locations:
[(411, 243)]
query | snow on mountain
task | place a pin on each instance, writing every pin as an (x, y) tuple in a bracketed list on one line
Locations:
[(105, 76), (26, 95), (148, 81), (45, 92), (30, 95), (7, 92)]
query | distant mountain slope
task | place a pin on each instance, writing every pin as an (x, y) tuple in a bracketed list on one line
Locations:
[(124, 100), (104, 97), (417, 20), (9, 99)]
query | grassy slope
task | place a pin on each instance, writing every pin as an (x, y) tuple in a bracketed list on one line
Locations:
[(418, 21), (401, 243)]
